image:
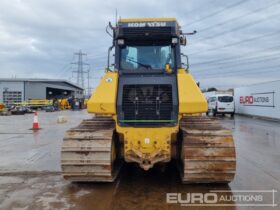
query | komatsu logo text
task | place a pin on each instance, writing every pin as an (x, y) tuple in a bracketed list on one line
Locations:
[(147, 24)]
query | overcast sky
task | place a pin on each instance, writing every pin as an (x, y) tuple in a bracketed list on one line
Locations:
[(237, 41)]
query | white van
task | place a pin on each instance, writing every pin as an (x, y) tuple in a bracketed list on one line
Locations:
[(221, 104)]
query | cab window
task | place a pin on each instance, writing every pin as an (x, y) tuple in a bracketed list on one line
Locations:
[(134, 57)]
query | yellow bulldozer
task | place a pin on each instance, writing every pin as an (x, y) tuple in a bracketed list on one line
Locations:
[(148, 110)]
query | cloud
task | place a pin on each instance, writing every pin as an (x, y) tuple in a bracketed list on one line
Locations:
[(38, 38)]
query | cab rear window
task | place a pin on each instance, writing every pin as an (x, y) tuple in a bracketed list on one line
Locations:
[(225, 99)]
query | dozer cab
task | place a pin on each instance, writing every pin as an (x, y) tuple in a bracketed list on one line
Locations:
[(148, 110)]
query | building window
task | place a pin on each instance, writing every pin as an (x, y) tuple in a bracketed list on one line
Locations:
[(11, 97)]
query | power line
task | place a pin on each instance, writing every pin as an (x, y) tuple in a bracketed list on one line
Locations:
[(65, 68), (239, 28), (246, 73), (232, 73), (269, 58), (236, 57), (197, 10), (239, 17), (217, 12), (237, 43), (221, 71), (97, 57)]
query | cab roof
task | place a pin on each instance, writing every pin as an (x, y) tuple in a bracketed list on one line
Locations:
[(127, 20), (147, 28)]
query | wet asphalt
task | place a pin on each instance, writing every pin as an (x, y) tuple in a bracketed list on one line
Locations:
[(30, 170)]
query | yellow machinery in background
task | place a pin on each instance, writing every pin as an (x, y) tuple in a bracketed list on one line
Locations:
[(85, 103), (2, 107), (148, 111), (64, 104), (36, 103)]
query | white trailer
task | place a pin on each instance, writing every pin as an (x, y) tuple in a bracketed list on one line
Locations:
[(261, 100)]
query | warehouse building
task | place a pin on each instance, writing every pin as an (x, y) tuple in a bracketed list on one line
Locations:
[(18, 90)]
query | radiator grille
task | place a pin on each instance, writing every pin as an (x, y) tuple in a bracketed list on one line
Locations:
[(147, 104)]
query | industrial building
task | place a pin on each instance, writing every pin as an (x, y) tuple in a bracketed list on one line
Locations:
[(17, 90)]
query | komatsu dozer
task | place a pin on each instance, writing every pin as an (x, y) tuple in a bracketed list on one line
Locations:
[(148, 109)]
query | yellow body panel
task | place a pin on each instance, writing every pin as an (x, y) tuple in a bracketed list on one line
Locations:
[(147, 146), (126, 20), (191, 99), (103, 99)]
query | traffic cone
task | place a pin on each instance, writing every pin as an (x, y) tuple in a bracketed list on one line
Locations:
[(35, 125)]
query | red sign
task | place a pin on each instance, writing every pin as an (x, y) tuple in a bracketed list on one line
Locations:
[(246, 99)]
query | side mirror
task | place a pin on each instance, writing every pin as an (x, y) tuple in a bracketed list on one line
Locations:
[(186, 62), (183, 40), (168, 68), (108, 58)]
